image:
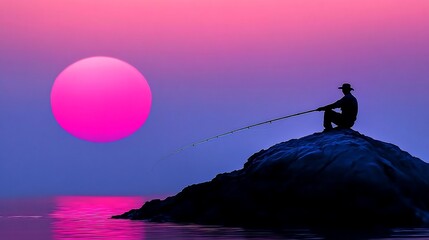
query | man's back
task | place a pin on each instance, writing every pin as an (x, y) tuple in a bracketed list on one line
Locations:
[(349, 107)]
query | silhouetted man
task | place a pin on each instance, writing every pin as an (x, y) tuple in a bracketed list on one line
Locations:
[(349, 110)]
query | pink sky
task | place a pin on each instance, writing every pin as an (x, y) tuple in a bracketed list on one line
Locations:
[(202, 34), (215, 27)]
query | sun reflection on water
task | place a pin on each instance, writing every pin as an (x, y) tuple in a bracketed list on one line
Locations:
[(83, 217)]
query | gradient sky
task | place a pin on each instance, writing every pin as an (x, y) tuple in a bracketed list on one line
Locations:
[(213, 66)]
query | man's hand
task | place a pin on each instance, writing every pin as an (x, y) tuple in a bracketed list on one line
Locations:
[(321, 109)]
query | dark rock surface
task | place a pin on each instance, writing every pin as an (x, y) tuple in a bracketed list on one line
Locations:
[(337, 178)]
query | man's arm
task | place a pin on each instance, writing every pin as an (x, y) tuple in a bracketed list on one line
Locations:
[(336, 104)]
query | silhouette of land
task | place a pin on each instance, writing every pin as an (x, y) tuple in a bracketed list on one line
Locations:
[(336, 178)]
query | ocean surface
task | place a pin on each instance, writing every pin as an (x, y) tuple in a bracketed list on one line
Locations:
[(88, 217)]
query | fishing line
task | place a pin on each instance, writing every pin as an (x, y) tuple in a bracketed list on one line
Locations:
[(234, 131)]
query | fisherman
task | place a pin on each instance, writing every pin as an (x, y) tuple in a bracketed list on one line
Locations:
[(349, 110)]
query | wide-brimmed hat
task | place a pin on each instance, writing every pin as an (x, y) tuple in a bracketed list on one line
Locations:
[(346, 86)]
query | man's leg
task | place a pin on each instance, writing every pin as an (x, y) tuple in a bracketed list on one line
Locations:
[(327, 119), (331, 117)]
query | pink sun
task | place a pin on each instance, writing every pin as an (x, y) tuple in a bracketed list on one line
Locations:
[(101, 99)]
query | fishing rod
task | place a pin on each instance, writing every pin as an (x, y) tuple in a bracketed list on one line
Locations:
[(237, 130)]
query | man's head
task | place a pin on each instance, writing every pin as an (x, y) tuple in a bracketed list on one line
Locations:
[(346, 88)]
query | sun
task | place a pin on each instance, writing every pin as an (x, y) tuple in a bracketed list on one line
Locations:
[(101, 99)]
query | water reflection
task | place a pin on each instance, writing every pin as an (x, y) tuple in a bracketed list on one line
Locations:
[(82, 217), (78, 217)]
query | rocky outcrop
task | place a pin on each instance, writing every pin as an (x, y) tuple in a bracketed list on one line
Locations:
[(335, 178)]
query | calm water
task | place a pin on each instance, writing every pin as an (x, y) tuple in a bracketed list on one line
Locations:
[(80, 217)]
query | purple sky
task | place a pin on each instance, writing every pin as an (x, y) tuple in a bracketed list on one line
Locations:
[(212, 66)]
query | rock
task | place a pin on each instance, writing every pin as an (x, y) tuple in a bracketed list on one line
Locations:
[(337, 178)]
